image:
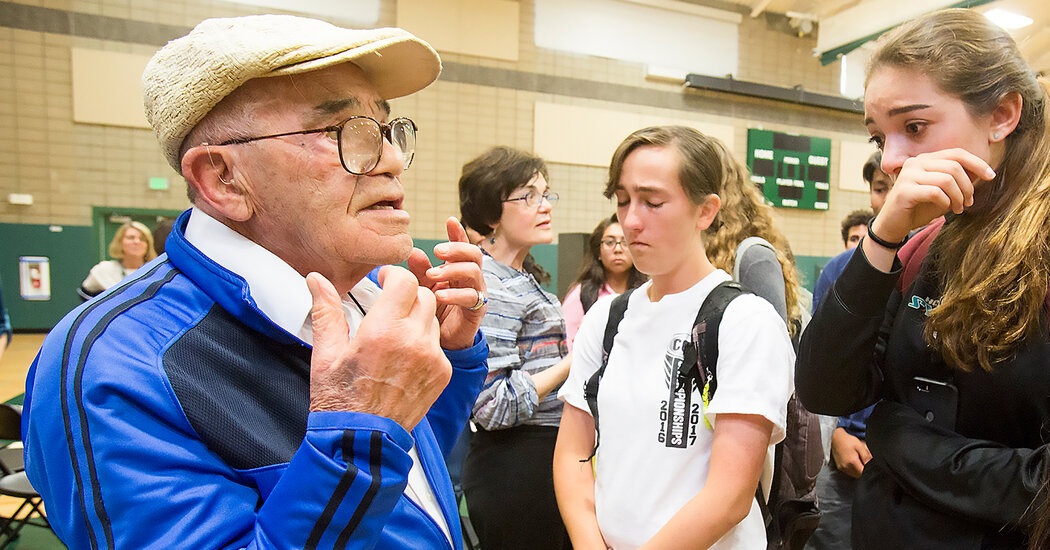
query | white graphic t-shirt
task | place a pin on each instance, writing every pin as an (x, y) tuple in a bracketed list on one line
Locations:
[(655, 446)]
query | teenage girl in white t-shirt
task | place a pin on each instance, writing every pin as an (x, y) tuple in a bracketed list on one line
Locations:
[(671, 472)]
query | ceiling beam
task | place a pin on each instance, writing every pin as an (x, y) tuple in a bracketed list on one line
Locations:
[(759, 7), (831, 7), (872, 17)]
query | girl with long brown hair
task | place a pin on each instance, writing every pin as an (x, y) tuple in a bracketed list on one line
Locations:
[(950, 329)]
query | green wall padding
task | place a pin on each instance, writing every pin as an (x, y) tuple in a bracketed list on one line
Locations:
[(71, 254), (809, 268)]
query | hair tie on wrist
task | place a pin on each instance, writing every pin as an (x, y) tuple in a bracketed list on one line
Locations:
[(882, 242)]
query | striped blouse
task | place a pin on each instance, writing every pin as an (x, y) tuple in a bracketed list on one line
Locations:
[(525, 330)]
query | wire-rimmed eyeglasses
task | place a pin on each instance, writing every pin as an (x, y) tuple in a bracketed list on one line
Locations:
[(532, 198), (360, 141)]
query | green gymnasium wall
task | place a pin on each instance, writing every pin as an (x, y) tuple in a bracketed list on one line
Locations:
[(71, 254), (809, 268)]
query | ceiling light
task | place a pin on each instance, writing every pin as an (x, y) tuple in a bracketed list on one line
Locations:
[(1007, 19)]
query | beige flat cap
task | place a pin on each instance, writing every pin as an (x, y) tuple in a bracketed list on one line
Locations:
[(190, 75)]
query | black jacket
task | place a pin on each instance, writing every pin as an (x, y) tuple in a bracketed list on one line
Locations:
[(926, 487)]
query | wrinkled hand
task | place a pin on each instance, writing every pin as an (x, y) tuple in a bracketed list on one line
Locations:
[(393, 367), (928, 186), (456, 284), (850, 453)]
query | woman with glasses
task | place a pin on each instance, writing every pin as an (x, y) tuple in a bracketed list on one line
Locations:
[(608, 270), (505, 197), (131, 247)]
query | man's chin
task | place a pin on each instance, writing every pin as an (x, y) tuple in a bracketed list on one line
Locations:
[(393, 249), (402, 252)]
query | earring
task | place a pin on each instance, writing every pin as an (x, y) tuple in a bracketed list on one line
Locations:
[(492, 239), (995, 136)]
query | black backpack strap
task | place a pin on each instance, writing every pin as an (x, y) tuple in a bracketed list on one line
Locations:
[(774, 488), (705, 346), (590, 389), (700, 359)]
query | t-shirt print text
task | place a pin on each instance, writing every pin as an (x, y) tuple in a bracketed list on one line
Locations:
[(680, 412)]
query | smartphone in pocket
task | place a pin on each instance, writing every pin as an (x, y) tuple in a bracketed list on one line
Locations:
[(935, 400)]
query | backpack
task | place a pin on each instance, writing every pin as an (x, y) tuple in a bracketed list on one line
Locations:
[(790, 511)]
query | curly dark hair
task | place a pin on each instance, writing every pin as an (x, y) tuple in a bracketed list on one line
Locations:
[(853, 219)]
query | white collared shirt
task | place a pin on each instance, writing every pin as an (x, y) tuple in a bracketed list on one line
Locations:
[(280, 292)]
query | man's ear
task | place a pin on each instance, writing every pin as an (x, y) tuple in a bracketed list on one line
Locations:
[(708, 211), (1005, 116), (209, 169)]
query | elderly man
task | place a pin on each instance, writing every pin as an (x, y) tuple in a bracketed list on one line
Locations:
[(259, 387)]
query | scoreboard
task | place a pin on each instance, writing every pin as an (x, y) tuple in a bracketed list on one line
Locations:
[(792, 171)]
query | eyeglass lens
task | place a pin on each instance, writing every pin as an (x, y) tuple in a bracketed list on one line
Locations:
[(361, 143), (532, 198)]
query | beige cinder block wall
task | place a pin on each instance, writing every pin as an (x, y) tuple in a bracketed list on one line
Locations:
[(478, 102)]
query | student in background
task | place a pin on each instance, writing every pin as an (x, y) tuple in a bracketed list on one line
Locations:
[(848, 451), (854, 227), (607, 270)]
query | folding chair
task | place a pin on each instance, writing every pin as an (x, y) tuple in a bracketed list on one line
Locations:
[(14, 482)]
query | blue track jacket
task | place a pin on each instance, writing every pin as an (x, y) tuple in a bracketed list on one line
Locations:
[(169, 412)]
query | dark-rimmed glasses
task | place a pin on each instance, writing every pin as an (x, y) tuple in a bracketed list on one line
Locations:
[(532, 198), (612, 243), (360, 140)]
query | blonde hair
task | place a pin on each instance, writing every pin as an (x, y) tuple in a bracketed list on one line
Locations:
[(745, 214), (116, 247), (993, 260)]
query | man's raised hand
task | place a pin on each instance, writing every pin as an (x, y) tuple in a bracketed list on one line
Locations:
[(394, 366), (458, 286)]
